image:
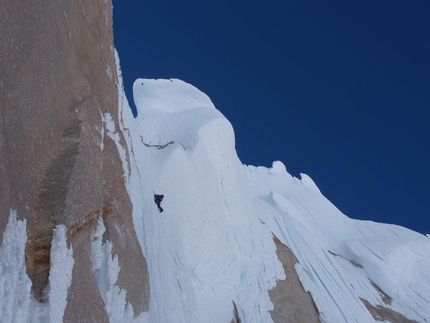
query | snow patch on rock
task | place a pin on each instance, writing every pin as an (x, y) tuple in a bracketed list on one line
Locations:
[(106, 270), (16, 302), (14, 282), (60, 274)]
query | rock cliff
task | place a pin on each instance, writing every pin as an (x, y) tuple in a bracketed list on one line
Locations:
[(57, 165)]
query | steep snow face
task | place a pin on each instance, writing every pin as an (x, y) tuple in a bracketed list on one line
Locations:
[(207, 248), (213, 244)]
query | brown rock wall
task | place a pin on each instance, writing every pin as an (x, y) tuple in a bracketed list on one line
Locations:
[(57, 79), (290, 301), (82, 305), (385, 314)]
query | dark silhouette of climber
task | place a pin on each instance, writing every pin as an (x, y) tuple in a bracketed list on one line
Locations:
[(158, 199)]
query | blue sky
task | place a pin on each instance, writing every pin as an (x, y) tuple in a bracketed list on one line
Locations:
[(334, 89)]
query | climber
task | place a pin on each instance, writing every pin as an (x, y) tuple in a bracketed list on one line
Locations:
[(158, 199)]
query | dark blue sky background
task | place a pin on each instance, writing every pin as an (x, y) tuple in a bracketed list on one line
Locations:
[(338, 90)]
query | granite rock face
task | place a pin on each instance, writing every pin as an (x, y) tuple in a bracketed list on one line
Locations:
[(291, 303), (57, 165)]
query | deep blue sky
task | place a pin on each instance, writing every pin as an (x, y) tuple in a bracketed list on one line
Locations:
[(338, 90)]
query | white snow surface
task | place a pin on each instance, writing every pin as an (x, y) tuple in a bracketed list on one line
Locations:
[(202, 251), (17, 305), (60, 274), (14, 282), (213, 243)]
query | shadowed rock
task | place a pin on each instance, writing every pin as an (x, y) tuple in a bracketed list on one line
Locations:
[(290, 301), (50, 208), (385, 314), (236, 318)]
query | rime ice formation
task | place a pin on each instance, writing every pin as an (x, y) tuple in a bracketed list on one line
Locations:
[(213, 244)]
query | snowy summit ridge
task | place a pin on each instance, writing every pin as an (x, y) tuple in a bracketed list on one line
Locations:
[(212, 250)]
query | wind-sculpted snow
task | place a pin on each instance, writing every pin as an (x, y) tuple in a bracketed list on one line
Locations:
[(172, 110), (343, 260), (213, 243), (207, 248)]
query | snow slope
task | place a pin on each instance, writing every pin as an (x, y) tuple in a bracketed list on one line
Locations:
[(213, 243), (207, 248)]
